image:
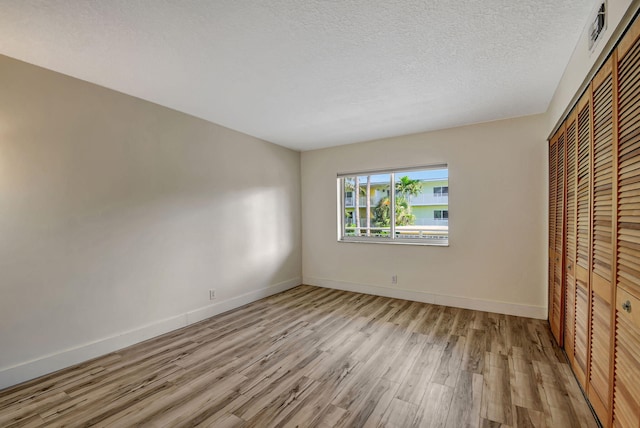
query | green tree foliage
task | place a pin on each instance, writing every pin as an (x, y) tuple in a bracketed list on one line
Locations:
[(382, 213), (407, 188), (403, 212)]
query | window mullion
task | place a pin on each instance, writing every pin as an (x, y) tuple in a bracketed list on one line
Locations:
[(342, 208), (392, 207)]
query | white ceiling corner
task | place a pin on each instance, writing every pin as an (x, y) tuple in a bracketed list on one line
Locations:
[(307, 74)]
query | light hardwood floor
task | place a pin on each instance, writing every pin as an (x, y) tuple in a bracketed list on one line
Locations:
[(324, 358)]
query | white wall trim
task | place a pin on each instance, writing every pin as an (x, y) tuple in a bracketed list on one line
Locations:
[(32, 369), (530, 311)]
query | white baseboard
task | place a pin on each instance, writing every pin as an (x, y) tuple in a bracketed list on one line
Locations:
[(28, 370), (530, 311)]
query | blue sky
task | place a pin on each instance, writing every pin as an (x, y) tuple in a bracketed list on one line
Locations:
[(430, 174)]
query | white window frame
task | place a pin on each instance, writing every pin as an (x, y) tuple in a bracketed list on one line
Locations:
[(393, 238)]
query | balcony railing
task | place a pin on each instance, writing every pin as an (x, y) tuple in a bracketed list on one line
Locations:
[(349, 201), (422, 199), (437, 233), (418, 222), (432, 222), (429, 199)]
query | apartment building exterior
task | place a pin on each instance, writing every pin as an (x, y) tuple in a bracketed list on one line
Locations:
[(430, 207)]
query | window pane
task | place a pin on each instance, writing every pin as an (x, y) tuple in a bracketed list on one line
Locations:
[(366, 205), (348, 206), (378, 223), (421, 201)]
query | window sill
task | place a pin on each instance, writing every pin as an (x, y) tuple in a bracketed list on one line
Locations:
[(421, 243)]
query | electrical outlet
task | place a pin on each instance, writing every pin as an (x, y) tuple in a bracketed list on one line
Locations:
[(212, 294), (394, 279)]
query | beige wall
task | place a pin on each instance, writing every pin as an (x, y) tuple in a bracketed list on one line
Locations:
[(117, 216), (497, 217), (582, 60)]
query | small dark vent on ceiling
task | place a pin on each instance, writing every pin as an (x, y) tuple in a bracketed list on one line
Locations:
[(597, 25)]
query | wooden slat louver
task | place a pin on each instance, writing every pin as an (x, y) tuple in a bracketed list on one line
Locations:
[(556, 312), (600, 348), (583, 227), (570, 242), (553, 162), (602, 241), (582, 317), (626, 388), (602, 178)]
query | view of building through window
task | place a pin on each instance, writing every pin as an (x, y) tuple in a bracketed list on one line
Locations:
[(400, 205)]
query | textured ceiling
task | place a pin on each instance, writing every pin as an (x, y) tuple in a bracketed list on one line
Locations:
[(310, 73)]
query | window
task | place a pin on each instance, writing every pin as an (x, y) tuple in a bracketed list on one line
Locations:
[(403, 206), (441, 214), (348, 199), (441, 191)]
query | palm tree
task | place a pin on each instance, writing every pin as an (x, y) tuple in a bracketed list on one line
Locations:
[(382, 213), (403, 212), (407, 188)]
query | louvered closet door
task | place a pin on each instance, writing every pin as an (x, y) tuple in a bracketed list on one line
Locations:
[(626, 392), (553, 162), (602, 242), (628, 275), (558, 271), (626, 395), (583, 228), (570, 240)]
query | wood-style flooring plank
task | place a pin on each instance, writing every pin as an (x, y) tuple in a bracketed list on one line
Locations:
[(435, 405), (465, 407), (399, 414), (496, 393), (316, 357), (449, 365)]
